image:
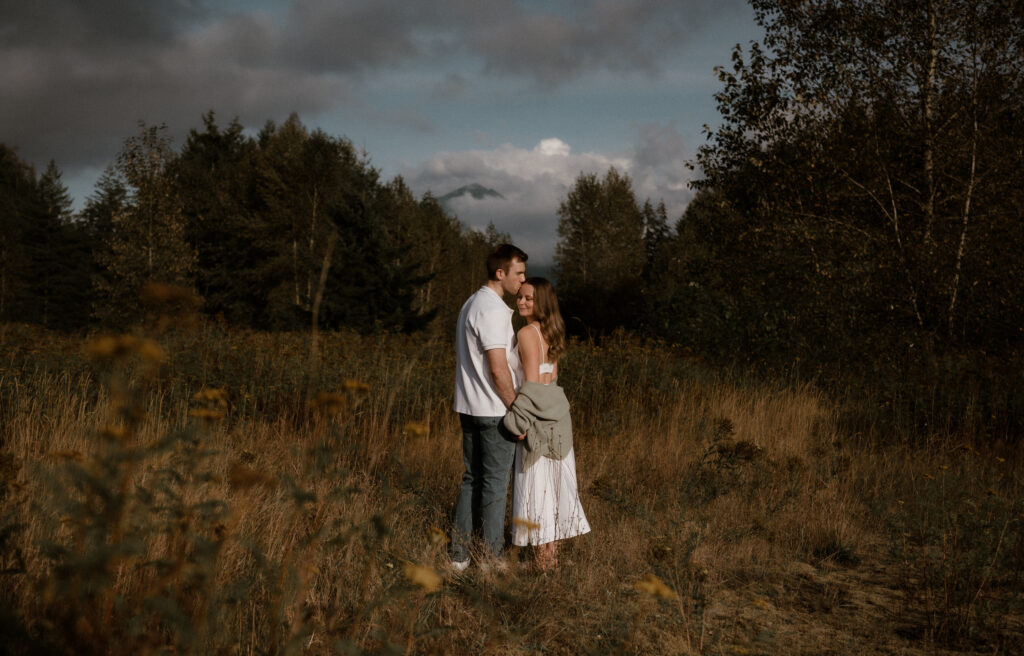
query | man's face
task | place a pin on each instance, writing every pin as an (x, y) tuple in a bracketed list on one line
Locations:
[(512, 279)]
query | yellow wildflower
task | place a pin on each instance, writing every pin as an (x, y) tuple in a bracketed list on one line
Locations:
[(422, 576), (102, 348), (66, 455), (207, 414), (525, 523), (417, 428), (353, 386), (150, 350), (113, 432), (328, 403), (436, 535), (655, 587), (115, 347), (212, 396), (158, 293)]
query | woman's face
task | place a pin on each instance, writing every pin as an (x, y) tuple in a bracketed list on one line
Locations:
[(524, 301)]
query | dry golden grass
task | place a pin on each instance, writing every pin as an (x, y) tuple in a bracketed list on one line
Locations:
[(234, 500)]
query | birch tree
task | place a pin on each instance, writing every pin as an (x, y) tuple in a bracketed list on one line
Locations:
[(878, 146), (146, 237)]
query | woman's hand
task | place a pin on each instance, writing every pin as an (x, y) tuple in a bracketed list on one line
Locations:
[(521, 437)]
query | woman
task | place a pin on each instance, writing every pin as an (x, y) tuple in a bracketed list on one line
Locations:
[(545, 502)]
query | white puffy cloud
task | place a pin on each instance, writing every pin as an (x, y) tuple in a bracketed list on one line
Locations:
[(534, 181)]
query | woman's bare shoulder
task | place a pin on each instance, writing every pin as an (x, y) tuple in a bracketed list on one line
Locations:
[(528, 336), (527, 332)]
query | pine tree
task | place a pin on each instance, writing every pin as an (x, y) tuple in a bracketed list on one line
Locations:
[(214, 177), (601, 253), (17, 200), (62, 268)]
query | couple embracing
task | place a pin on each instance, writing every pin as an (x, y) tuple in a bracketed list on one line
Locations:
[(514, 418)]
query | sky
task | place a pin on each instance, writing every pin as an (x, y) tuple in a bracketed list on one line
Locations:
[(518, 96)]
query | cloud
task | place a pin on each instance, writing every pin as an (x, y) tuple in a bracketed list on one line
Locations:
[(660, 164), (79, 74), (535, 181), (86, 109), (81, 89), (96, 26), (552, 46), (327, 35), (452, 86)]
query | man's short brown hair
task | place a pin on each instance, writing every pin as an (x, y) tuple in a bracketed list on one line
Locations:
[(502, 258)]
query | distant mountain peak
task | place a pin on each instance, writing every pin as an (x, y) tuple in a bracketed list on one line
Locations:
[(477, 191)]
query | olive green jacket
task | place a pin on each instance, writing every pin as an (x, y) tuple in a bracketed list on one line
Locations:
[(542, 412)]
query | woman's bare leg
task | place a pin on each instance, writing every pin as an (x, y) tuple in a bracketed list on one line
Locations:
[(547, 555)]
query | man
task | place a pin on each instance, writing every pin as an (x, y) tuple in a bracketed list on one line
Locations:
[(485, 387)]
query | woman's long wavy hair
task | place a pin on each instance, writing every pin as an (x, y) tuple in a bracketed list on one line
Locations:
[(545, 309)]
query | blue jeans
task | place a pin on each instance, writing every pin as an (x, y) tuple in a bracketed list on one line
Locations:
[(487, 453)]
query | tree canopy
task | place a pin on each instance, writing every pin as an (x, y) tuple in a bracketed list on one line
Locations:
[(269, 231), (873, 149)]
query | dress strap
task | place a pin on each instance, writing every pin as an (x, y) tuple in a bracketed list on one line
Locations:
[(545, 367), (543, 344)]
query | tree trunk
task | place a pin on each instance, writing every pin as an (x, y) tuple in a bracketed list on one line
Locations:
[(954, 286), (929, 138)]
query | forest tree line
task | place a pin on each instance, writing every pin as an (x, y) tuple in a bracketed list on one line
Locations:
[(858, 212), (866, 184), (260, 229)]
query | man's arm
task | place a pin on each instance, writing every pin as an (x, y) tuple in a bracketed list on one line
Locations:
[(497, 361)]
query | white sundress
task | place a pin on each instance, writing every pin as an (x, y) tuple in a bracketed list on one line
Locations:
[(545, 497)]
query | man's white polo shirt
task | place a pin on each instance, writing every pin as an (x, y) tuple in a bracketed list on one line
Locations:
[(485, 323)]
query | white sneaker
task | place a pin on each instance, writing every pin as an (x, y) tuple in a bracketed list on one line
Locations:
[(459, 565)]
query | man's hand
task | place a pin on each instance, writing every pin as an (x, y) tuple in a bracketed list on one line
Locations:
[(497, 361)]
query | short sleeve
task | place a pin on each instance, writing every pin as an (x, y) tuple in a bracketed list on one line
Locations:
[(492, 329)]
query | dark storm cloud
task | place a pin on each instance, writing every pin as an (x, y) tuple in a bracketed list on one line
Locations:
[(351, 36), (79, 74), (81, 23), (79, 78), (554, 45)]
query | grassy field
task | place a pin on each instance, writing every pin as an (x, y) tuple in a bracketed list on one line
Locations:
[(206, 490)]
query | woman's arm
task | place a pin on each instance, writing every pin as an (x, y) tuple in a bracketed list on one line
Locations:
[(529, 353)]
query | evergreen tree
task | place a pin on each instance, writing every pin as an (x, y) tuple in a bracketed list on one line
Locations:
[(324, 207), (62, 271), (601, 253), (422, 234), (44, 254), (17, 203), (214, 177), (656, 233)]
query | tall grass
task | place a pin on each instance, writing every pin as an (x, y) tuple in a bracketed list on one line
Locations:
[(211, 492)]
